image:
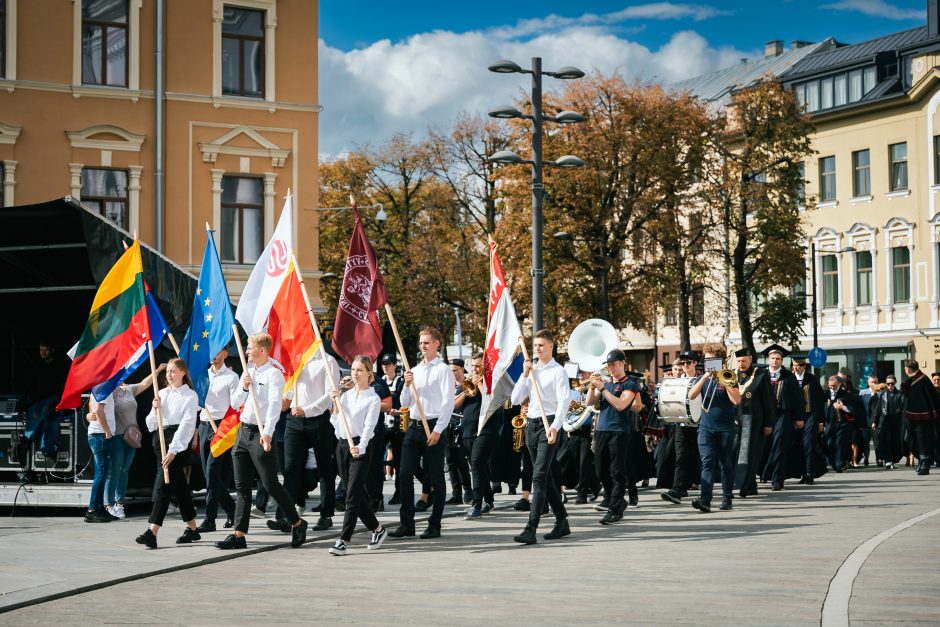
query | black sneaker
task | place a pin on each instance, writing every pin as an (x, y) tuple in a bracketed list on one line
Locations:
[(421, 506), (279, 524), (776, 487), (430, 533), (581, 500), (324, 523), (106, 514), (512, 490), (298, 533), (395, 500), (402, 532), (522, 505), (340, 505), (560, 530), (672, 496), (93, 516), (633, 502), (147, 539), (454, 500), (725, 505), (526, 537), (189, 536), (498, 488), (338, 549), (229, 522), (207, 526), (701, 506), (611, 517), (378, 537), (232, 541)]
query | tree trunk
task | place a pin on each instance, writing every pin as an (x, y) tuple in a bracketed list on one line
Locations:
[(740, 280)]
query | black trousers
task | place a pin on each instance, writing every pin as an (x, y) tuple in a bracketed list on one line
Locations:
[(685, 441), (261, 493), (178, 485), (375, 481), (838, 437), (610, 459), (248, 457), (781, 436), (809, 437), (218, 472), (543, 477), (458, 464), (395, 439), (300, 435), (479, 448), (354, 472), (415, 449), (922, 432), (324, 445), (579, 443)]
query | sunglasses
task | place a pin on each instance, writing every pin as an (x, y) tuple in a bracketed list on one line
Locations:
[(890, 385), (686, 363)]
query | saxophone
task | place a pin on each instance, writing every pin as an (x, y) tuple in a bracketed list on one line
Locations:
[(404, 419), (518, 428)]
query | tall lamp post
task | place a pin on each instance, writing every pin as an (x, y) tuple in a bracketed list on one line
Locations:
[(508, 156)]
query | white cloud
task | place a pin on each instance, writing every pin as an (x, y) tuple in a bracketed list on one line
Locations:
[(877, 8), (427, 80)]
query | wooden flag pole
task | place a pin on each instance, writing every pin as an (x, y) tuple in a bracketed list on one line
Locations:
[(404, 361), (535, 385), (326, 363), (251, 389), (156, 394)]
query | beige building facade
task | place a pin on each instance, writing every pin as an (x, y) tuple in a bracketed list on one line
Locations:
[(79, 96)]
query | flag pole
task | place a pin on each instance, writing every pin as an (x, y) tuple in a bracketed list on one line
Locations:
[(156, 394), (326, 365), (251, 388), (404, 361), (535, 385)]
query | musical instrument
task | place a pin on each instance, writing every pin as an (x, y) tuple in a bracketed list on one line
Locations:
[(454, 432), (404, 419), (469, 387), (726, 378), (590, 342), (518, 428), (879, 387), (578, 414), (674, 405), (583, 386)]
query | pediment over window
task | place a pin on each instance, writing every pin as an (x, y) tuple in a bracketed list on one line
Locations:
[(860, 228), (9, 134), (826, 233), (106, 137), (244, 141), (898, 223)]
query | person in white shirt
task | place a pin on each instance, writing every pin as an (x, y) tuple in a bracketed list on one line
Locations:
[(553, 385), (361, 406), (179, 404), (223, 382), (435, 383), (253, 451), (101, 427)]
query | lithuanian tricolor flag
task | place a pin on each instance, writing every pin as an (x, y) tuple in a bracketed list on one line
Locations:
[(116, 328)]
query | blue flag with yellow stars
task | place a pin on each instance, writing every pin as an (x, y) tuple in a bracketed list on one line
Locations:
[(210, 329)]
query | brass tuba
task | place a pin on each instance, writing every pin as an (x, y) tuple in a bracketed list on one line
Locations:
[(404, 419), (518, 428)]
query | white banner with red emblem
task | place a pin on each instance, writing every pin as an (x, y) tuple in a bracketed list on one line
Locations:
[(267, 275)]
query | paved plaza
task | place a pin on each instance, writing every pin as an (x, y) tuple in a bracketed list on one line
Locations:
[(775, 559)]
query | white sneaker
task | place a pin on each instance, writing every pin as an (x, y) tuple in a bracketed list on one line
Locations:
[(339, 548), (378, 537), (118, 510), (110, 509), (256, 513)]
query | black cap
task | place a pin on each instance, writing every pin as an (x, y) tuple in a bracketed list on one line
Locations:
[(666, 367), (688, 356), (634, 374), (457, 361), (775, 348), (744, 352), (388, 358), (616, 355)]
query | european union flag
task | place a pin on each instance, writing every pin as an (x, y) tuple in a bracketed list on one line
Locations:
[(210, 329)]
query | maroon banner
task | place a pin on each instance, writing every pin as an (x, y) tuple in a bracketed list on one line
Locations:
[(357, 330)]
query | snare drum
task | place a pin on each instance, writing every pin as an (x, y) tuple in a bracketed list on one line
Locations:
[(674, 406)]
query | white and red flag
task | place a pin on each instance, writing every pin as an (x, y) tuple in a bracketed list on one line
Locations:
[(267, 276)]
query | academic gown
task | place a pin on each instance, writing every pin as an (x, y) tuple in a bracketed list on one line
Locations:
[(755, 412)]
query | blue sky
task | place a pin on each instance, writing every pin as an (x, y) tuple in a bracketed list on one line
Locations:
[(387, 67)]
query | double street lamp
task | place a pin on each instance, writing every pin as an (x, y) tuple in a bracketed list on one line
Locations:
[(510, 157)]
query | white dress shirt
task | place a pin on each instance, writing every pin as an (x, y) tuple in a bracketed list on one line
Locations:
[(313, 390), (179, 407), (362, 410), (95, 426), (553, 383), (268, 383), (435, 382), (222, 386)]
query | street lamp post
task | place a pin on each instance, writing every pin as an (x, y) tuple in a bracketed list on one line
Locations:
[(507, 156)]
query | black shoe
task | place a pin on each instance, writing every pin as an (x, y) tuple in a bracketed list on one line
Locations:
[(421, 506), (633, 502), (522, 505), (611, 517), (279, 524), (924, 469), (298, 534), (809, 481), (340, 505), (526, 537), (324, 523), (866, 462), (232, 541), (106, 514), (147, 539), (581, 500), (725, 505), (512, 491), (229, 522), (776, 487), (395, 500), (672, 496), (189, 536), (402, 532), (317, 509), (560, 530), (431, 532), (94, 516), (467, 498), (207, 526), (498, 488), (454, 500), (701, 506)]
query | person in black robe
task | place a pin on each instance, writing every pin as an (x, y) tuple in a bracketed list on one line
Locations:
[(921, 409), (842, 408), (788, 418), (884, 412), (755, 421), (808, 441)]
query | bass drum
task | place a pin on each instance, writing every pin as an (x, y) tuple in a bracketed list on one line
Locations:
[(673, 404)]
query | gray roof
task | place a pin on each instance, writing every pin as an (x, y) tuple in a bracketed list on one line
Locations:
[(716, 87), (843, 56)]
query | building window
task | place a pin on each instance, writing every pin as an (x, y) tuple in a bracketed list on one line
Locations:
[(855, 85), (901, 262), (812, 96), (861, 176), (242, 229), (863, 277), (243, 52), (697, 307), (830, 281), (105, 192), (672, 315), (869, 78), (898, 155), (936, 160), (801, 185), (104, 42), (3, 40), (841, 88), (827, 179), (825, 93)]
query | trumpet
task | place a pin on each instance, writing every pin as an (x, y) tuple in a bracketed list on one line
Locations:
[(469, 387), (404, 419), (583, 386), (518, 428), (879, 387)]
